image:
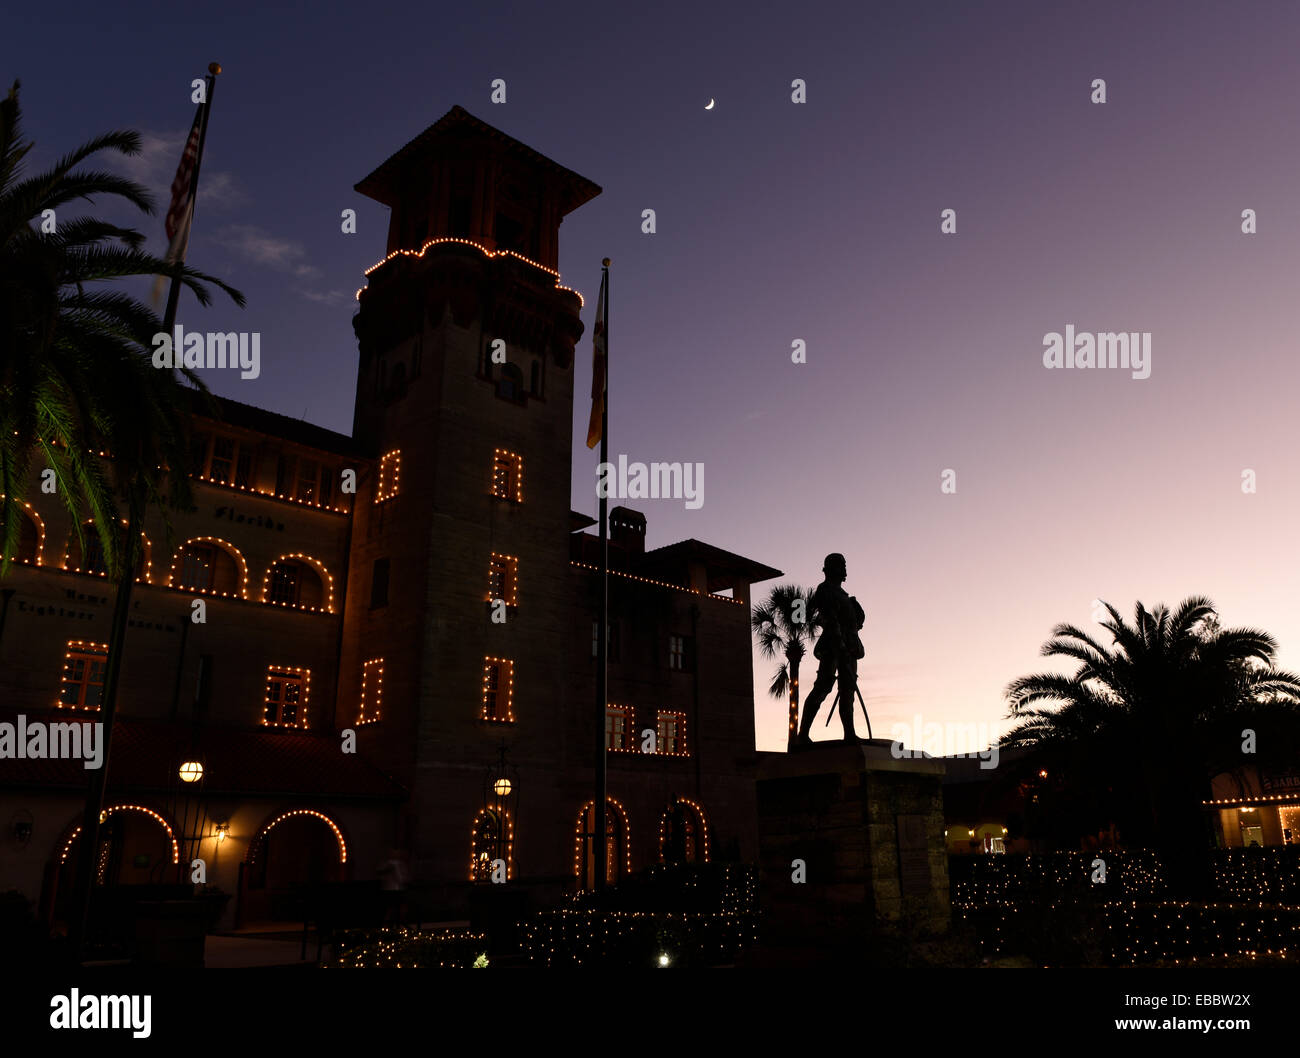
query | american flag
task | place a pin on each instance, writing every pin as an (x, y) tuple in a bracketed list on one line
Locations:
[(181, 210), (599, 352)]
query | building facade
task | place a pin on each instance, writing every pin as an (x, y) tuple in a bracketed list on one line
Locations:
[(396, 644)]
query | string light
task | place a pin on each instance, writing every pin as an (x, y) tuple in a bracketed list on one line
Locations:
[(261, 834), (146, 573), (614, 803), (478, 246), (476, 855), (680, 734), (270, 494), (503, 572), (327, 580), (508, 475), (171, 834), (230, 549), (659, 583), (372, 677), (40, 532), (90, 655), (390, 468), (493, 670), (402, 947), (287, 676), (699, 815), (628, 715)]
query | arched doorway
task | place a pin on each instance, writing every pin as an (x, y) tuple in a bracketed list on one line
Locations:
[(294, 851), (136, 846), (492, 839), (683, 833), (618, 859)]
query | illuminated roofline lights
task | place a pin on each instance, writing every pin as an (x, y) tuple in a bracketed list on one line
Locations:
[(171, 834), (249, 490), (478, 246), (658, 583), (1259, 800)]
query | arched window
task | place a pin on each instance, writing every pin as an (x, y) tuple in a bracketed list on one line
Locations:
[(683, 834), (618, 859), (298, 582), (31, 538), (492, 840), (87, 555), (211, 567)]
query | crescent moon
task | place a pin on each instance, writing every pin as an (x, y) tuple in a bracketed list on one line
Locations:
[(710, 105)]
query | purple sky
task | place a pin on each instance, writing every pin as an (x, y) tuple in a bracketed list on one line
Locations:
[(821, 222)]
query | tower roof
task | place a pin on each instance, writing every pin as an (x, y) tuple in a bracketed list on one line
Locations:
[(450, 131)]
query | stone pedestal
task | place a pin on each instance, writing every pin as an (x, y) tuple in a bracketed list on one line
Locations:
[(868, 829)]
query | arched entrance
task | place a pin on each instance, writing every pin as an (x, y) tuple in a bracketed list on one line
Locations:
[(137, 846), (293, 851)]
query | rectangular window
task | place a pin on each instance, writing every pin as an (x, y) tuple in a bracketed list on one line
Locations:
[(223, 460), (619, 722), (372, 691), (611, 640), (305, 490), (83, 675), (390, 467), (671, 736), (681, 653), (498, 690), (379, 583), (508, 476), (503, 578), (286, 696)]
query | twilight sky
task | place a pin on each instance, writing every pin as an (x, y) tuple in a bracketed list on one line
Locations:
[(820, 221)]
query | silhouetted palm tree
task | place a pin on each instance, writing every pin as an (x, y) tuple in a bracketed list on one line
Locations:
[(781, 635), (1161, 710), (76, 372)]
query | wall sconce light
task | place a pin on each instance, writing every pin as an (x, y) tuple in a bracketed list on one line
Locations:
[(222, 831)]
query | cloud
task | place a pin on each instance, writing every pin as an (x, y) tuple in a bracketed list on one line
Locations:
[(155, 168), (255, 244), (327, 297)]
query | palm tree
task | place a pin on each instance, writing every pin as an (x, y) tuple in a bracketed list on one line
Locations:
[(1157, 714), (78, 385), (75, 361), (784, 625)]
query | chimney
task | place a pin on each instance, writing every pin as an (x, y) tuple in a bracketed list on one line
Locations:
[(627, 530)]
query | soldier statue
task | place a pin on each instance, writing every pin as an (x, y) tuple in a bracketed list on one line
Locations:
[(838, 649)]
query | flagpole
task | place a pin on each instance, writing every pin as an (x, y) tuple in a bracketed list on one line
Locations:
[(84, 884), (602, 642), (174, 293)]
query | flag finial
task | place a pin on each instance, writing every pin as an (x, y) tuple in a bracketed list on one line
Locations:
[(214, 68), (605, 262)]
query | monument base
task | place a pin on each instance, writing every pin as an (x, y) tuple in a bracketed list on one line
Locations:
[(851, 842)]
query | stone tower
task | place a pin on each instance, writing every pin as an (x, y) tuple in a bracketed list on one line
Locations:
[(469, 498)]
